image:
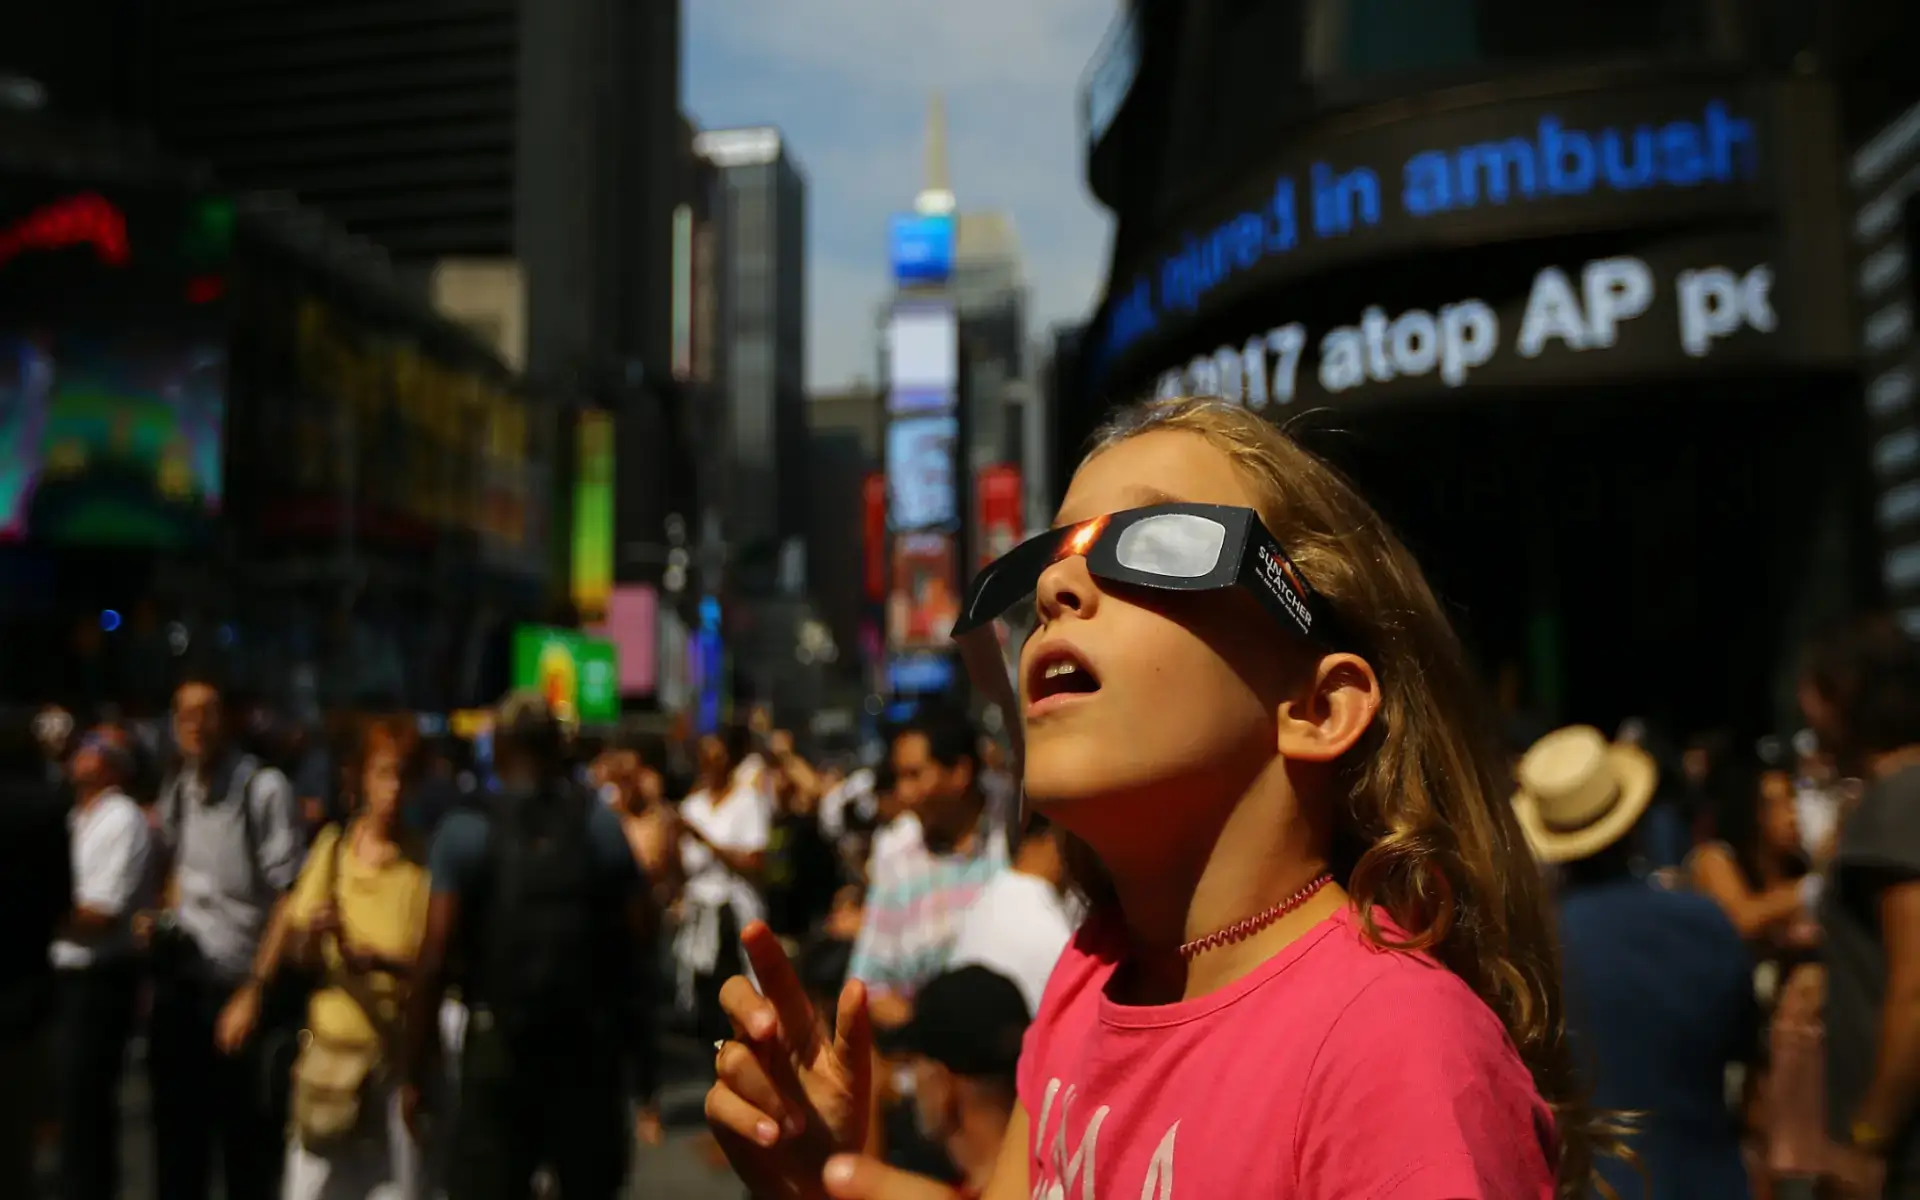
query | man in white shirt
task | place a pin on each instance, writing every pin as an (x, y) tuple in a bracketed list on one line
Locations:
[(1023, 918), (96, 975), (725, 826)]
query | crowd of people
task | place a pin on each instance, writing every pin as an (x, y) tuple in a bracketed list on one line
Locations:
[(425, 966), (1258, 902)]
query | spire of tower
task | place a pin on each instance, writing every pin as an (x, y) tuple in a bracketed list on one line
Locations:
[(936, 196)]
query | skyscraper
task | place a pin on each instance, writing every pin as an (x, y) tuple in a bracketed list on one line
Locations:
[(760, 368)]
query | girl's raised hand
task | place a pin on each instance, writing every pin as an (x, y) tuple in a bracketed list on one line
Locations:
[(788, 1096)]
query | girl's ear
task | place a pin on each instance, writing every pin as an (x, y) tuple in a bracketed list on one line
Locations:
[(1334, 705)]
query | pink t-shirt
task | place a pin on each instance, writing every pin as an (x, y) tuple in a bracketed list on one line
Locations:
[(1334, 1071)]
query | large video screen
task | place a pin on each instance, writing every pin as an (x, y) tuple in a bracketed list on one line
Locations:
[(920, 466), (578, 675), (925, 601), (110, 440), (923, 359)]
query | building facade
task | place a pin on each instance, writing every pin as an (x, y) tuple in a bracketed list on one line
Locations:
[(759, 385), (1544, 281)]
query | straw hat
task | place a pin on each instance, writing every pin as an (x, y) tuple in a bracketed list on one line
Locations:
[(1579, 793)]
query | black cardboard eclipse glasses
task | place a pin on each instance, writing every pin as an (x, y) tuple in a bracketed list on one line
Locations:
[(1170, 547)]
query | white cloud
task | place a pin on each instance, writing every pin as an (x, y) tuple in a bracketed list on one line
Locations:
[(848, 82)]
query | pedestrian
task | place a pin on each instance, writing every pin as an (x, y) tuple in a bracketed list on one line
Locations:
[(235, 844), (95, 966), (1861, 694), (357, 917), (539, 897), (36, 893), (915, 905), (724, 829), (1319, 961), (1659, 983)]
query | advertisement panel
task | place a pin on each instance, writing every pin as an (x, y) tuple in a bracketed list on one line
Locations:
[(920, 466), (923, 359), (926, 592), (873, 534), (593, 518), (1502, 171), (92, 252), (920, 673), (920, 247), (578, 675), (632, 626), (998, 524), (110, 440), (1684, 306)]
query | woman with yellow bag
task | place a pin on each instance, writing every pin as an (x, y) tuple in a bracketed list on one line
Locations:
[(356, 917)]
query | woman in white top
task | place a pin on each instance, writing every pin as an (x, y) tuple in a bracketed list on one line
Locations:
[(724, 830)]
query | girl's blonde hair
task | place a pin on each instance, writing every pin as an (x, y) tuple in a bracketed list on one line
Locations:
[(1426, 831)]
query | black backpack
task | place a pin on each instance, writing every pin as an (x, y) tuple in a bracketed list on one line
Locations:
[(543, 937)]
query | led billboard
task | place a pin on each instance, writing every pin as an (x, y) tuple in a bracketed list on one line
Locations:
[(920, 247), (578, 675), (923, 359), (925, 600), (920, 480)]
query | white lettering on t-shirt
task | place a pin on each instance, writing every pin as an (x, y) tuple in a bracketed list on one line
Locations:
[(1059, 1171)]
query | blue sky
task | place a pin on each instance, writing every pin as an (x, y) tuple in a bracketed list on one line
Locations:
[(847, 81)]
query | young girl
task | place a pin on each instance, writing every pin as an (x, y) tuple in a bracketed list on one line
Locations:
[(1319, 961)]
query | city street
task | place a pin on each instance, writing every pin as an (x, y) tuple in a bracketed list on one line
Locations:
[(674, 1170)]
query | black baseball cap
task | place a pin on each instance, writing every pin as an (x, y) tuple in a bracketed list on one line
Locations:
[(970, 1021)]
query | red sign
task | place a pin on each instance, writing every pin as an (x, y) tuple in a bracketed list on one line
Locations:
[(86, 219), (999, 521), (873, 523)]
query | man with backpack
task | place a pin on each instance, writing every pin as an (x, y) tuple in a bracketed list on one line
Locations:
[(538, 906), (232, 829)]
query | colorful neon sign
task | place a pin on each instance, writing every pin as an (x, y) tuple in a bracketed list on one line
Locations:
[(80, 220)]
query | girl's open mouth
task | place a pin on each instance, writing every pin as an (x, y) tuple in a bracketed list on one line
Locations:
[(1059, 674)]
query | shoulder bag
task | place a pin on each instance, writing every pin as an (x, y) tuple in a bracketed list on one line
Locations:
[(331, 1077)]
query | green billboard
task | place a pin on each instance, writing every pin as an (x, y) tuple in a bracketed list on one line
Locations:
[(579, 675)]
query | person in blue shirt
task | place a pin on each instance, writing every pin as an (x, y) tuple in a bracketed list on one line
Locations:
[(1659, 984)]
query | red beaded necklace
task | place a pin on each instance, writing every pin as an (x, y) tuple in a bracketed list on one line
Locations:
[(1239, 931)]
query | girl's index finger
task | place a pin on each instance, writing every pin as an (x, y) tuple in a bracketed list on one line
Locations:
[(780, 984)]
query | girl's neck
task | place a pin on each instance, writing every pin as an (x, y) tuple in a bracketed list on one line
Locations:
[(1268, 849)]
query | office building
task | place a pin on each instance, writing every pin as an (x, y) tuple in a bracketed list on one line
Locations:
[(1574, 372), (760, 348)]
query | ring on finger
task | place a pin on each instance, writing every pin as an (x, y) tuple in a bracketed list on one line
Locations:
[(719, 1048)]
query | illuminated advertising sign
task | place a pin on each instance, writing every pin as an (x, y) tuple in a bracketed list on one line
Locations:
[(110, 440), (1672, 308), (923, 359), (926, 592), (633, 626), (920, 247), (578, 675), (998, 523), (593, 516), (920, 466), (920, 674), (75, 250), (1497, 172)]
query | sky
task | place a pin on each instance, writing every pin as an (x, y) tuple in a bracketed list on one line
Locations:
[(847, 82)]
